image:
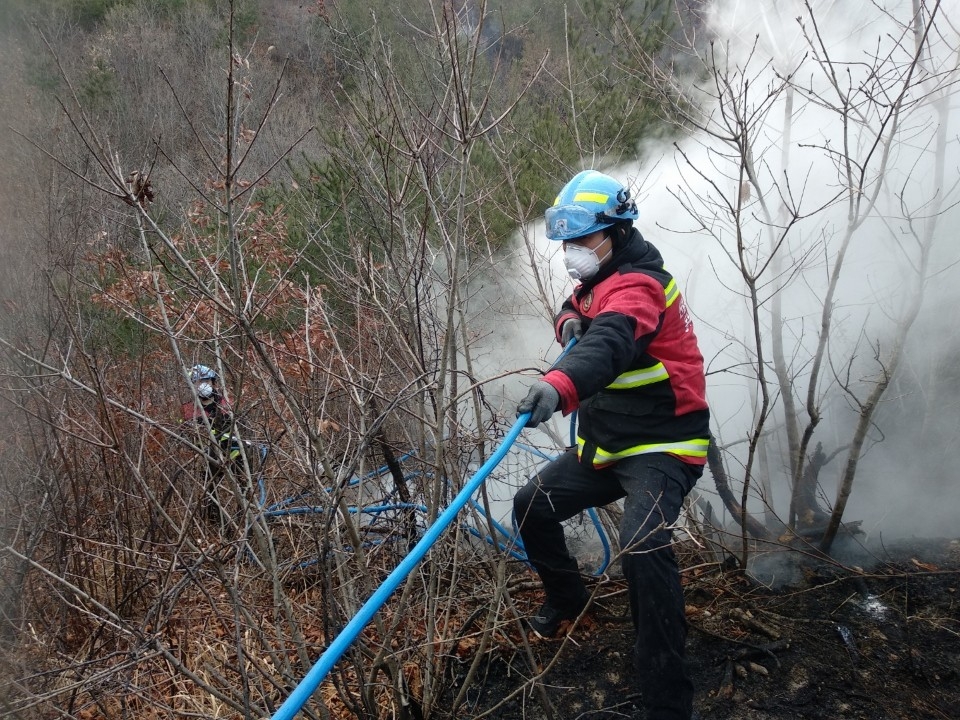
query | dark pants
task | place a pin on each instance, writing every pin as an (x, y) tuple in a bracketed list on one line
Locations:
[(654, 487)]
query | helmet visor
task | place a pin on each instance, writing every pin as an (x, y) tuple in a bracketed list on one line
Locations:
[(566, 222), (202, 372)]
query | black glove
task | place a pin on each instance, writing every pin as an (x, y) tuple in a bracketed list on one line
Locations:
[(572, 328), (541, 402)]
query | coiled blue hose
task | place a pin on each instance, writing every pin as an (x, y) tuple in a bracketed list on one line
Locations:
[(302, 692)]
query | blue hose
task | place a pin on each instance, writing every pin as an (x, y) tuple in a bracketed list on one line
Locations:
[(311, 681), (302, 692)]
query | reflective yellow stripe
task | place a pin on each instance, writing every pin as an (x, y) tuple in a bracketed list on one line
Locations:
[(641, 376), (689, 448), (671, 292), (655, 373), (591, 197)]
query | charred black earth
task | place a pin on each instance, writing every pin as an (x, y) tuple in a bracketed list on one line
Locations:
[(874, 638)]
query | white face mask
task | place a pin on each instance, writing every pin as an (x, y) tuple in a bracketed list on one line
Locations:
[(205, 391), (582, 263)]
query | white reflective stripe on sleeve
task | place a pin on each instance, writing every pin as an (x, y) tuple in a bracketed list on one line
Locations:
[(671, 292)]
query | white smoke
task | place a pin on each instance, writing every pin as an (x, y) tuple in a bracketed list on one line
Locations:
[(766, 41), (683, 192)]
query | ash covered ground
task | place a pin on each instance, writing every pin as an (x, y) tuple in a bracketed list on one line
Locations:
[(876, 637)]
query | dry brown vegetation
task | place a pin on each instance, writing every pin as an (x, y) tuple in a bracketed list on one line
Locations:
[(333, 209)]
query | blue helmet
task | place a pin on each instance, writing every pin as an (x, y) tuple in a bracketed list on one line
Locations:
[(202, 372), (591, 201)]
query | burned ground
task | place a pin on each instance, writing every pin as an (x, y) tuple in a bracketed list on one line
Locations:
[(876, 638)]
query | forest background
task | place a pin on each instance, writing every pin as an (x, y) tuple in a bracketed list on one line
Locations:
[(337, 206)]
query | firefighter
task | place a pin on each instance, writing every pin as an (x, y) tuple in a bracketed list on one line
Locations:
[(636, 379), (210, 403), (210, 408)]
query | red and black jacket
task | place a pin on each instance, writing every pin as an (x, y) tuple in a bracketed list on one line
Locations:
[(218, 412), (636, 375)]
